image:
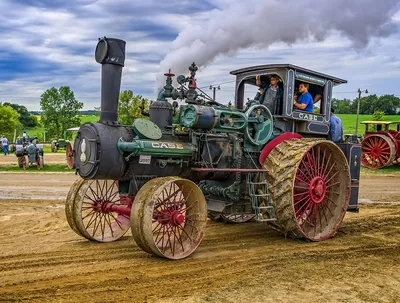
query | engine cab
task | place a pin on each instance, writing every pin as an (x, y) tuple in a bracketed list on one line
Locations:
[(315, 124)]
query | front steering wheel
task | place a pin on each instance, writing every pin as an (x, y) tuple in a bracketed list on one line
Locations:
[(259, 124)]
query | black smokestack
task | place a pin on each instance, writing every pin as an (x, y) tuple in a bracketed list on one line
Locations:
[(110, 53)]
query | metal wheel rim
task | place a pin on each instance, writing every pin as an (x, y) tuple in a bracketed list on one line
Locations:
[(377, 151), (321, 189), (24, 163), (169, 217), (91, 218), (69, 156)]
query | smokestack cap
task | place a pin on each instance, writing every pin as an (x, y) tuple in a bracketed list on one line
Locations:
[(110, 51)]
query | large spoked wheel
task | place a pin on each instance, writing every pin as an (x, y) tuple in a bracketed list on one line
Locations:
[(378, 151), (39, 162), (25, 162), (237, 217), (168, 217), (309, 183), (69, 155), (91, 210), (20, 160)]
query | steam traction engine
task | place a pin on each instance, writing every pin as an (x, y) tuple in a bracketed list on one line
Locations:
[(381, 144), (28, 151), (162, 181)]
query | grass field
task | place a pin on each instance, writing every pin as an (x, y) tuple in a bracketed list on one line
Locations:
[(349, 122)]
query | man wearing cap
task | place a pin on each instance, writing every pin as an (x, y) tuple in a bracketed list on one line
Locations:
[(272, 96)]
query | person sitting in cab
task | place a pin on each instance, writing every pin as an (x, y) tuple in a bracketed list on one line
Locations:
[(305, 101), (272, 95)]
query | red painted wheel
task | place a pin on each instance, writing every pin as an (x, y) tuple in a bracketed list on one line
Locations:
[(309, 183), (39, 162), (25, 162), (378, 151), (91, 210), (168, 217), (69, 155)]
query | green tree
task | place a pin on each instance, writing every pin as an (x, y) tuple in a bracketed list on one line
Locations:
[(60, 111), (129, 107), (342, 106), (387, 104), (368, 104), (27, 120), (9, 121), (97, 110)]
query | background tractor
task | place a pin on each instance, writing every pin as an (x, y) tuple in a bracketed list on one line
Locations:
[(272, 165), (58, 144), (381, 144), (28, 151)]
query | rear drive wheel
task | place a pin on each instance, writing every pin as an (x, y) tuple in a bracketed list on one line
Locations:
[(309, 183), (168, 217)]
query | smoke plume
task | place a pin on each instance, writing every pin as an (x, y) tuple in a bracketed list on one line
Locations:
[(259, 23)]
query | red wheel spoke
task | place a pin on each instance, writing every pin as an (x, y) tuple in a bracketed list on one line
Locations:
[(301, 180), (333, 176), (96, 224), (107, 219), (91, 221), (304, 175), (86, 196), (332, 201), (302, 187), (87, 215), (333, 184), (302, 199), (326, 164), (184, 231), (116, 220), (306, 204)]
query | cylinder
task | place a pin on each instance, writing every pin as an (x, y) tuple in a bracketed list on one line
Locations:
[(110, 53)]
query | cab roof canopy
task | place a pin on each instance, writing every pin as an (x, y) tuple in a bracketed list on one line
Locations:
[(259, 68)]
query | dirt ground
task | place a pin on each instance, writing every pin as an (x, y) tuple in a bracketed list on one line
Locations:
[(49, 158), (43, 260)]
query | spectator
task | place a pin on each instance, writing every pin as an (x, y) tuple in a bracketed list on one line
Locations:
[(4, 143), (336, 128), (305, 101), (271, 96)]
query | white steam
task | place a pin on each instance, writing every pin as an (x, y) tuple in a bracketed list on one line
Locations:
[(259, 23)]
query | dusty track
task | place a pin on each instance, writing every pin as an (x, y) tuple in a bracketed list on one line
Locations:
[(42, 260)]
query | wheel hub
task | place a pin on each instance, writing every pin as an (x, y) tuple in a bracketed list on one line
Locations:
[(176, 218), (317, 190), (376, 151)]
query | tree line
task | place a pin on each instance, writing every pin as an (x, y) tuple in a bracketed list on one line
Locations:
[(388, 104), (60, 110)]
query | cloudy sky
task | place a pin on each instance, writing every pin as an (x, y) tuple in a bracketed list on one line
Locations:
[(50, 43)]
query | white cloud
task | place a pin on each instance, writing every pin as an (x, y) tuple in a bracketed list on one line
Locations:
[(65, 37)]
